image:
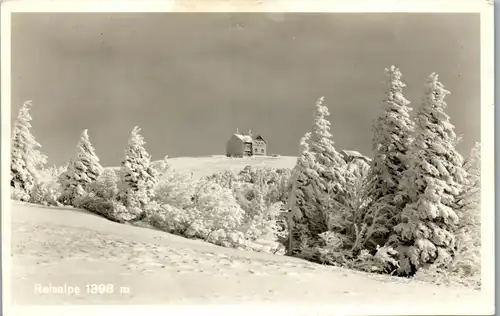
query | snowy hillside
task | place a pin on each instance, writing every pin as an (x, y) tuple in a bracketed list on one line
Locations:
[(205, 166), (68, 246)]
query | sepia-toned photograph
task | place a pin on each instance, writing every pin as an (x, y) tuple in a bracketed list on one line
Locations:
[(242, 153)]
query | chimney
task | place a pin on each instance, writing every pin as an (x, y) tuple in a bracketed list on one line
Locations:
[(250, 132), (237, 130)]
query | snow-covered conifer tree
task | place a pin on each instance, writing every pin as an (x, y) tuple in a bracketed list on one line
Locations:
[(468, 232), (472, 190), (329, 187), (137, 177), (83, 169), (330, 163), (431, 185), (26, 158), (319, 183), (300, 194), (391, 142)]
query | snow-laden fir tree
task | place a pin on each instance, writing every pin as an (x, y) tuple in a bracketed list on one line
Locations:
[(472, 191), (431, 185), (26, 158), (352, 210), (468, 233), (329, 186), (330, 163), (319, 184), (300, 194), (392, 139), (82, 171), (137, 177)]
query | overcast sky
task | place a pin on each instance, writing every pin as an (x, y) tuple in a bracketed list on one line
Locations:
[(190, 79)]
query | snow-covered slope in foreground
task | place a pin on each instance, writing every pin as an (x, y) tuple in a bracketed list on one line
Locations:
[(57, 246)]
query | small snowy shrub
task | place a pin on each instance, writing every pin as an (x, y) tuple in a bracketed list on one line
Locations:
[(384, 260), (261, 216), (195, 209), (261, 193), (175, 189), (45, 193), (110, 209), (226, 179), (94, 204), (217, 207), (467, 260), (264, 225), (19, 194), (125, 214), (234, 239), (161, 167), (331, 250), (106, 186), (171, 219)]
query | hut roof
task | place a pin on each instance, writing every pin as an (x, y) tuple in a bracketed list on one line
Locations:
[(355, 154), (261, 138), (244, 138)]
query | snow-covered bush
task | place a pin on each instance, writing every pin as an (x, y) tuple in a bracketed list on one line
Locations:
[(19, 194), (47, 189), (195, 209), (331, 249), (247, 174), (176, 189), (276, 181), (384, 260), (226, 179), (46, 193), (161, 167), (101, 197), (171, 219), (261, 217), (106, 186), (233, 239), (217, 207), (261, 193), (280, 190), (110, 209), (26, 159)]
